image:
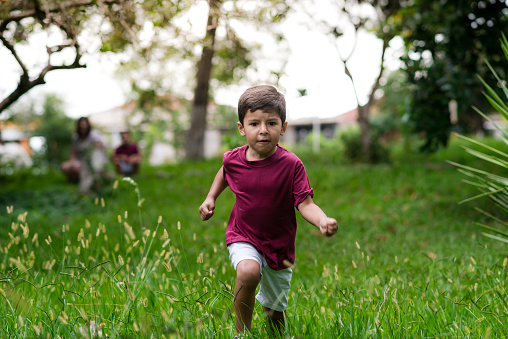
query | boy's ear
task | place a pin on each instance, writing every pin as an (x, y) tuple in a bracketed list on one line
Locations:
[(284, 126), (240, 128)]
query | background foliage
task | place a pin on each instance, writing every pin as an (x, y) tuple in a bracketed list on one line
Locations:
[(446, 43)]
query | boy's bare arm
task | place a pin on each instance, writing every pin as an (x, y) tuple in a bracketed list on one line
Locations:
[(314, 215), (218, 185)]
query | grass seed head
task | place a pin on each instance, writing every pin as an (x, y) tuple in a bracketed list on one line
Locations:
[(22, 216), (129, 230), (167, 266), (287, 263), (26, 230)]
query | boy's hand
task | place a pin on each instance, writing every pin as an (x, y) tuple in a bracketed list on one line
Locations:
[(206, 209), (328, 226)]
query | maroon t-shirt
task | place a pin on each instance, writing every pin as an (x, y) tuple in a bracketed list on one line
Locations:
[(127, 149), (267, 192)]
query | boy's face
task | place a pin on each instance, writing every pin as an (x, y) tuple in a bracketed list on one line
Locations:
[(262, 131)]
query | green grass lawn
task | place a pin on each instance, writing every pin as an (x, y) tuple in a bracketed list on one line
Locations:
[(407, 261)]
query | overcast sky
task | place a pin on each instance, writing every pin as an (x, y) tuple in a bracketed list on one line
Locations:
[(312, 63)]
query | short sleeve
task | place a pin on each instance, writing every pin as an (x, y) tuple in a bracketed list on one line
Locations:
[(301, 185)]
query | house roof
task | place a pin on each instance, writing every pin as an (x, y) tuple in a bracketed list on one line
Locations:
[(115, 119), (341, 119)]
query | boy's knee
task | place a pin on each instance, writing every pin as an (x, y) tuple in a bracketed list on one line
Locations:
[(249, 272)]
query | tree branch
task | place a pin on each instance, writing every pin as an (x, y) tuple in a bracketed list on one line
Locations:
[(17, 16), (102, 3), (25, 84), (16, 56), (381, 71)]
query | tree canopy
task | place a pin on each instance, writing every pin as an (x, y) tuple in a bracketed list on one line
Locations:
[(446, 43), (150, 34), (21, 20)]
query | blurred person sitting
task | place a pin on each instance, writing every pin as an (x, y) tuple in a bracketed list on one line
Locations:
[(87, 159), (126, 157)]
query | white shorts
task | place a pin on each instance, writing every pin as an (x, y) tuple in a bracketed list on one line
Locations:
[(274, 285)]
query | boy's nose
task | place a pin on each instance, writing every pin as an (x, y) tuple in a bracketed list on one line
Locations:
[(263, 129)]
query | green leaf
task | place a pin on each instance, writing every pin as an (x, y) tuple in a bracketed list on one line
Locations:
[(497, 106), (500, 82), (494, 95), (504, 223), (482, 145), (501, 130), (487, 157), (495, 237), (480, 196), (492, 229)]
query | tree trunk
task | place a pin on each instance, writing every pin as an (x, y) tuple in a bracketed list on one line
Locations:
[(364, 111), (194, 146), (363, 121)]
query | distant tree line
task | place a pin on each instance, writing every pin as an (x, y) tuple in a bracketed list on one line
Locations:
[(445, 43)]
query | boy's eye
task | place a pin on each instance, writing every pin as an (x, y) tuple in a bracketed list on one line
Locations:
[(254, 123), (272, 123)]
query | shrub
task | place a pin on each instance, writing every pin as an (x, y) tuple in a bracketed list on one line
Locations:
[(351, 138)]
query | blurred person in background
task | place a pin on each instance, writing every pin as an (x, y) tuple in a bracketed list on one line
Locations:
[(87, 159), (126, 157)]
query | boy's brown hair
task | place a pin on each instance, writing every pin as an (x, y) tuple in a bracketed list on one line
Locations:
[(263, 97)]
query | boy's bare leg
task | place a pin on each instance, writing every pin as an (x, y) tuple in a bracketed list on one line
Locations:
[(276, 321), (248, 273)]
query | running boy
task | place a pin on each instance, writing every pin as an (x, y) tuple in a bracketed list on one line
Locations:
[(269, 182)]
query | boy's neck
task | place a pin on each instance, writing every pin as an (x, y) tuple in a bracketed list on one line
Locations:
[(252, 156)]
